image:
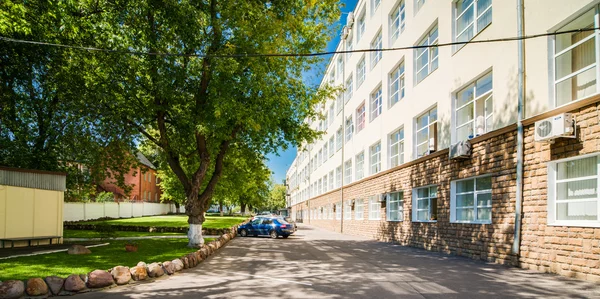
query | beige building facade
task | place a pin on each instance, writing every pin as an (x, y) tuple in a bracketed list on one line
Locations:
[(383, 169)]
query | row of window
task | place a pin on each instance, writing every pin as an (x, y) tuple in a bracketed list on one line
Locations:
[(147, 196)]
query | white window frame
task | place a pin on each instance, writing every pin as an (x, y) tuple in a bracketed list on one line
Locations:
[(325, 153), (488, 101), (415, 200), (338, 176), (348, 171), (330, 212), (431, 52), (397, 84), (361, 70), (475, 23), (339, 139), (374, 207), (389, 211), (400, 144), (339, 102), (418, 5), (374, 6), (359, 209), (347, 211), (377, 43), (338, 211), (340, 66), (349, 46), (331, 185), (324, 183), (476, 206), (349, 88), (361, 26), (376, 103), (375, 158), (360, 165), (331, 146), (553, 181), (429, 133), (331, 113), (397, 21), (361, 115), (349, 128)]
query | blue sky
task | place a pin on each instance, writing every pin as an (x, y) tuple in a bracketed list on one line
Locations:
[(281, 161)]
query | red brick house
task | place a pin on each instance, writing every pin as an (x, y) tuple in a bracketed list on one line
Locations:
[(142, 179)]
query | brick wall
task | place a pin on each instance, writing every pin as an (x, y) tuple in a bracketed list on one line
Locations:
[(566, 250)]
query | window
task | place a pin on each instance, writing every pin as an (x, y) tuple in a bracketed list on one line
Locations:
[(320, 187), (320, 157), (397, 22), (575, 64), (339, 102), (397, 148), (474, 109), (427, 58), (331, 186), (359, 209), (425, 204), (320, 213), (376, 55), (332, 77), (360, 166), (349, 88), (573, 186), (360, 72), (338, 176), (360, 117), (331, 146), (361, 26), (472, 16), (330, 211), (338, 211), (426, 133), (331, 113), (347, 211), (375, 152), (397, 84), (349, 46), (395, 206), (338, 139), (348, 171), (340, 66), (376, 103), (325, 154), (471, 200), (315, 162), (374, 6), (349, 128), (324, 183), (419, 4), (374, 208)]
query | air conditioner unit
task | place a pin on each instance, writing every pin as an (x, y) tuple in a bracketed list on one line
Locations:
[(345, 32), (381, 197), (460, 150), (350, 20), (561, 125)]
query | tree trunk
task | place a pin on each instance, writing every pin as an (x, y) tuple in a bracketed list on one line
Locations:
[(243, 208), (196, 218)]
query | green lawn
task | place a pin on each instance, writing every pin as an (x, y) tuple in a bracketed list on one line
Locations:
[(70, 233), (61, 264), (173, 221)]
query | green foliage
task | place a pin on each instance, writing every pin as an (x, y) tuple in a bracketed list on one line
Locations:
[(105, 197)]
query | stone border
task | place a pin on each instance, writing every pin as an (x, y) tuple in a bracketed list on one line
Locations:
[(152, 229), (119, 275)]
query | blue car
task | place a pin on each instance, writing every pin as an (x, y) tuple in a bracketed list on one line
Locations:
[(266, 226)]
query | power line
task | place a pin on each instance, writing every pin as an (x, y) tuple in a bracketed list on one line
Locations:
[(138, 53)]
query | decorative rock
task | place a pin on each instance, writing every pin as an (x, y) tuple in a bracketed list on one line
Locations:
[(192, 260), (12, 289), (204, 252), (78, 249), (139, 272), (55, 284), (213, 247), (121, 275), (73, 283), (155, 270), (226, 237), (185, 261), (177, 264), (168, 267), (99, 279), (36, 287)]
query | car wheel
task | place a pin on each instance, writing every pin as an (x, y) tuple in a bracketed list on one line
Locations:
[(243, 233), (285, 236), (273, 234)]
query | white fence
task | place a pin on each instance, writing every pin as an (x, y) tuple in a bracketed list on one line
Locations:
[(86, 211)]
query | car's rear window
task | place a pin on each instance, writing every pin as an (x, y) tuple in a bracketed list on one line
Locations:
[(281, 221)]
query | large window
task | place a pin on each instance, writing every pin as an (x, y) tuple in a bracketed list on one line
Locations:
[(338, 211), (359, 209), (331, 113), (395, 206), (361, 26), (347, 210), (427, 58), (325, 184), (375, 160), (426, 133), (349, 88), (319, 157), (376, 55), (396, 85), (325, 152), (338, 139), (575, 65), (374, 6), (360, 72), (331, 185), (331, 146), (360, 166), (330, 211), (425, 204), (360, 117), (340, 66), (396, 148), (320, 187), (419, 4), (339, 102), (474, 109), (573, 186), (471, 200), (348, 171), (349, 128), (397, 21), (472, 16), (338, 176), (376, 103), (374, 207), (349, 46)]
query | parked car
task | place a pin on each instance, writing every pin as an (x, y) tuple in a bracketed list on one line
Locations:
[(289, 220), (269, 226)]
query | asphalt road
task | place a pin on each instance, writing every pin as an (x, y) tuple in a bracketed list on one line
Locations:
[(316, 263)]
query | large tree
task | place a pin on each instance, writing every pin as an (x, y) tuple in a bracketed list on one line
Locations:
[(213, 94)]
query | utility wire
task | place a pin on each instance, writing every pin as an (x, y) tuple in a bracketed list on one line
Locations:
[(138, 53)]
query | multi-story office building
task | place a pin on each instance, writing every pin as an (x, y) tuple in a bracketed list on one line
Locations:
[(383, 167)]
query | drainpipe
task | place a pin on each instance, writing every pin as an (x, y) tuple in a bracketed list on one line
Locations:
[(343, 40), (520, 107)]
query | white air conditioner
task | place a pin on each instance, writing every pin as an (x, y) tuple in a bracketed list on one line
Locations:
[(561, 125), (460, 150), (350, 20)]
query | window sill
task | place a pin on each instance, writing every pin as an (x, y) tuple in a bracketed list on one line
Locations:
[(425, 221), (471, 222), (575, 224), (395, 221)]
